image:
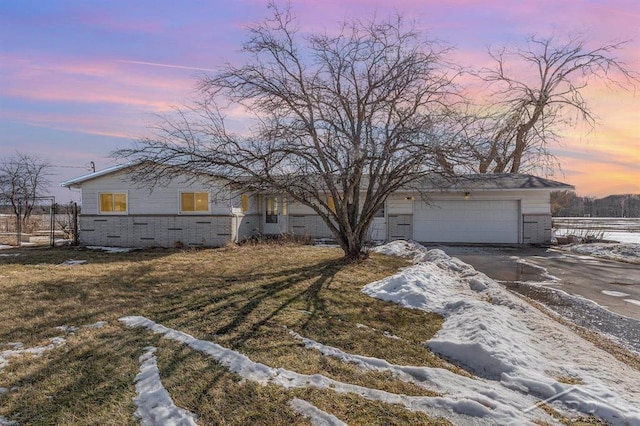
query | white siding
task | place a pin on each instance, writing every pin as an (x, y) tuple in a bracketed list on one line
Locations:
[(163, 199)]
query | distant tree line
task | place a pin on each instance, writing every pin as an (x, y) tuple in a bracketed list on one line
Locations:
[(568, 204)]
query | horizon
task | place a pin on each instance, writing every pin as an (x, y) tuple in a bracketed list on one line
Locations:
[(81, 79)]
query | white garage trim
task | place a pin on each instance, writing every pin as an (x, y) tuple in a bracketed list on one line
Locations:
[(467, 221)]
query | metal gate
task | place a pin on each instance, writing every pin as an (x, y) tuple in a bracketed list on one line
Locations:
[(46, 223)]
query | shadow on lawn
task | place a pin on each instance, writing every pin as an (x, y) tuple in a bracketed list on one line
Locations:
[(57, 255), (241, 305)]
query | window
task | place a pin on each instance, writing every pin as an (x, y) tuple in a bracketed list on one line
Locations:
[(331, 203), (244, 202), (194, 202), (271, 210), (113, 202)]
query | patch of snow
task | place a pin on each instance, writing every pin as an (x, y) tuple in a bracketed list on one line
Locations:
[(486, 392), (384, 333), (623, 237), (98, 324), (629, 252), (155, 406), (501, 338), (19, 351), (459, 410), (402, 248), (632, 301), (72, 262), (5, 247), (3, 390), (614, 293), (111, 249), (67, 328), (10, 254), (6, 422), (390, 336), (317, 416)]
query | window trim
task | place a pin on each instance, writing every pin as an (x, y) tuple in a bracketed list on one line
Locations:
[(113, 192), (191, 212)]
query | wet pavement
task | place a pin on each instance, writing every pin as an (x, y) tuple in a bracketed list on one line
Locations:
[(598, 294)]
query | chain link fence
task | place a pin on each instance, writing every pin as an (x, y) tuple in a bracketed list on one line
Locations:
[(48, 223)]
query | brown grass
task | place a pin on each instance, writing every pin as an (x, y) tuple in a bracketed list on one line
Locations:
[(246, 298)]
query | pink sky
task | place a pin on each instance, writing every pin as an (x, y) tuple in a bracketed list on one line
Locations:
[(79, 78)]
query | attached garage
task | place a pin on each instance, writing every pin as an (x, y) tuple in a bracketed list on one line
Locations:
[(467, 221)]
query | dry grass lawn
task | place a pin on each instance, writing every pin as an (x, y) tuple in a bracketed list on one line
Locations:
[(245, 298)]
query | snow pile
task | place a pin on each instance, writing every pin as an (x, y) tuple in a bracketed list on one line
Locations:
[(458, 410), (502, 400), (402, 248), (629, 252), (18, 350), (155, 406), (111, 249), (317, 416), (500, 338)]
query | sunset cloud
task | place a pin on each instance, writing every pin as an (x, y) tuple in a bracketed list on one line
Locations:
[(81, 78)]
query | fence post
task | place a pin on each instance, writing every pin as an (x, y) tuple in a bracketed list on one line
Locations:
[(52, 222), (19, 225), (76, 231)]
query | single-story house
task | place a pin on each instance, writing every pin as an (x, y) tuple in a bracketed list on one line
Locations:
[(493, 209)]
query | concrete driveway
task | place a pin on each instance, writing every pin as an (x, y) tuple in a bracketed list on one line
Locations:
[(568, 284)]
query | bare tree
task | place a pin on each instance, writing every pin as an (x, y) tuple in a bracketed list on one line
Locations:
[(536, 89), (341, 121), (23, 179)]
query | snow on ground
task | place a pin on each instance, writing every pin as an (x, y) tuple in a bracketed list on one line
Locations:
[(623, 237), (72, 262), (628, 252), (483, 391), (72, 328), (155, 406), (19, 350), (111, 249), (520, 357), (98, 324), (5, 247), (501, 338), (460, 410), (6, 422), (316, 415)]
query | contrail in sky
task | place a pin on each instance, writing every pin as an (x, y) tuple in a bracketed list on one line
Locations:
[(154, 64)]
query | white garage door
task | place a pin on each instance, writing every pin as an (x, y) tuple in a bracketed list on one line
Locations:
[(466, 221)]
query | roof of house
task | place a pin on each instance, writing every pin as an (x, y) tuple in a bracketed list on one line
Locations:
[(487, 182), (80, 179), (471, 182)]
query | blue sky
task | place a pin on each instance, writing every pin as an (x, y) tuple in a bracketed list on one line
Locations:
[(79, 79)]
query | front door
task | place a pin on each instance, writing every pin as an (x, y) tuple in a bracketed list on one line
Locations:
[(274, 215), (378, 229)]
